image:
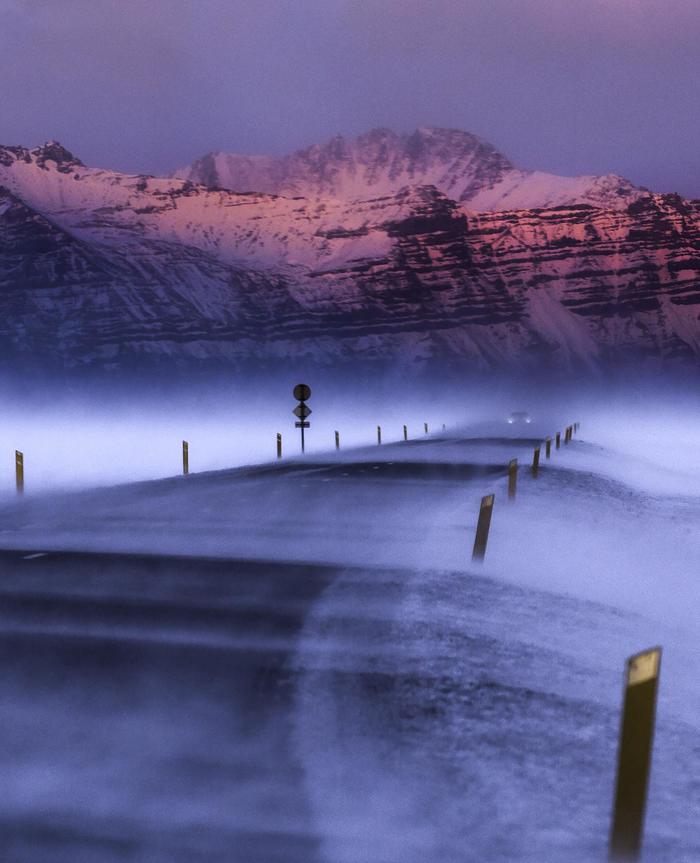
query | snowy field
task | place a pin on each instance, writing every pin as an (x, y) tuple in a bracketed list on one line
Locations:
[(297, 661)]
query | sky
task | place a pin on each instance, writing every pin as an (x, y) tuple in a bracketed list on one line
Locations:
[(569, 86)]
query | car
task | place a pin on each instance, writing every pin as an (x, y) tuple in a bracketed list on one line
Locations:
[(519, 418)]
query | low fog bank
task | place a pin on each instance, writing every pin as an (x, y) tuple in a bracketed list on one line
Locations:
[(82, 433)]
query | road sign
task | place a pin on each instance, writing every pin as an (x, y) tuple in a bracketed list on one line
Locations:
[(302, 411), (302, 392)]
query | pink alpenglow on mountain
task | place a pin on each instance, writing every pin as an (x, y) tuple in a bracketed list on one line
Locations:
[(428, 248)]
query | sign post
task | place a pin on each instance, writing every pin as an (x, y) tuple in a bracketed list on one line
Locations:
[(512, 478), (482, 528), (302, 392), (19, 471), (634, 754)]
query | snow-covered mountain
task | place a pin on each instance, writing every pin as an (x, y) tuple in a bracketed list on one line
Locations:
[(381, 162), (103, 268)]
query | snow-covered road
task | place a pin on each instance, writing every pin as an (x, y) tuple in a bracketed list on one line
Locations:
[(299, 662)]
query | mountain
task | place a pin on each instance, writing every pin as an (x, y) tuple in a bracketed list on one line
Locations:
[(381, 162), (99, 268)]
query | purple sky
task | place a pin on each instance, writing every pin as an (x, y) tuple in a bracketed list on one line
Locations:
[(571, 86)]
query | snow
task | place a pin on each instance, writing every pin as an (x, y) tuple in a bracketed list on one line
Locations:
[(381, 162), (428, 707)]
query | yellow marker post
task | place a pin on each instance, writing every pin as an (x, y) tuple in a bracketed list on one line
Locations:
[(19, 471), (512, 478), (379, 435), (548, 447), (185, 458), (483, 526), (279, 445), (536, 462), (337, 440), (634, 754), (405, 433)]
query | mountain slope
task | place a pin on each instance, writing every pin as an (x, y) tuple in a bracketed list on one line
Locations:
[(101, 268), (381, 162)]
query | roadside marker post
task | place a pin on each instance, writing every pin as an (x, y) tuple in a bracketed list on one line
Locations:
[(279, 445), (185, 458), (482, 528), (536, 462), (425, 426), (634, 754), (558, 439), (379, 435), (405, 433), (19, 471), (548, 447), (337, 440), (512, 478), (302, 393)]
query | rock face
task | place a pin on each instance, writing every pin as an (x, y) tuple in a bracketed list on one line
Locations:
[(104, 269), (457, 163)]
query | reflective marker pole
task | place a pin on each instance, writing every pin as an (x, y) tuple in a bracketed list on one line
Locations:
[(379, 435), (512, 478), (425, 426), (482, 528), (19, 471), (558, 439), (279, 445), (634, 755), (548, 447), (536, 462), (185, 458), (337, 440), (405, 433)]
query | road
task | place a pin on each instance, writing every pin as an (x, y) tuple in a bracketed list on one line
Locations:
[(169, 709)]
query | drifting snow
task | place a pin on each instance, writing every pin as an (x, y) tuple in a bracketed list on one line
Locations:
[(410, 705)]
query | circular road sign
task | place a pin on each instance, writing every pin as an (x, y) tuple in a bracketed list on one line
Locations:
[(302, 392)]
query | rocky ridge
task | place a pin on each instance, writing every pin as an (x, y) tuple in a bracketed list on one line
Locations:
[(101, 268)]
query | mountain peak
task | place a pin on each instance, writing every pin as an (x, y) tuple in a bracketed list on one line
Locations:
[(55, 152), (381, 161), (50, 151)]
